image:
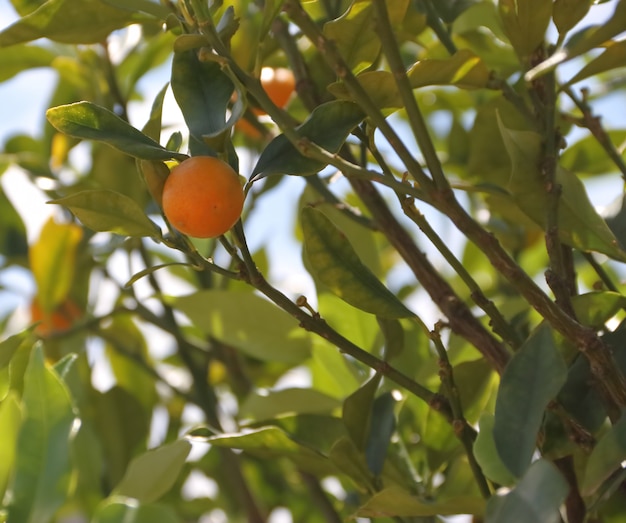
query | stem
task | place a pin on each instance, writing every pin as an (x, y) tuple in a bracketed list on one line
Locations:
[(461, 428), (416, 120)]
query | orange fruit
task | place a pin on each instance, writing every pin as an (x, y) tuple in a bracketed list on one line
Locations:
[(202, 197), (279, 84), (59, 320)]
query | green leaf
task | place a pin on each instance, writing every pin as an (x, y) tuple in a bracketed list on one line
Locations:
[(153, 473), (53, 262), (89, 121), (525, 23), (61, 21), (486, 454), (380, 86), (579, 223), (10, 421), (118, 509), (270, 404), (607, 457), (354, 36), (103, 210), (613, 58), (245, 321), (22, 57), (584, 41), (328, 126), (9, 346), (13, 232), (152, 128), (150, 7), (537, 497), (463, 69), (336, 264), (273, 442), (594, 309), (42, 465), (202, 91), (395, 501), (357, 411), (380, 432), (122, 424), (531, 379), (589, 157), (567, 13)]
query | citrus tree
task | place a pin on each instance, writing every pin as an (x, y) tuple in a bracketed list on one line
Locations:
[(458, 349)]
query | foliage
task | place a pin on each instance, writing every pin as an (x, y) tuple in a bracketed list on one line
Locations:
[(463, 328)]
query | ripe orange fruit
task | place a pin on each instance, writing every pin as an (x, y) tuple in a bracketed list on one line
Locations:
[(279, 84), (57, 321), (202, 197)]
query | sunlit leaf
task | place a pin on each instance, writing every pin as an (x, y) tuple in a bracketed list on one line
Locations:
[(464, 69), (10, 421), (150, 475), (395, 501), (267, 333), (42, 464), (584, 41), (328, 126), (110, 211), (531, 379), (91, 122), (613, 58), (525, 23), (22, 57), (53, 261), (337, 265)]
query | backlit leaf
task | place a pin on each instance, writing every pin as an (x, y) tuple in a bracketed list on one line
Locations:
[(91, 122), (119, 509), (596, 308), (150, 475), (328, 126), (336, 264), (567, 13), (103, 210), (525, 23), (10, 421), (613, 58), (271, 404), (42, 465), (464, 69), (61, 21), (531, 379), (53, 261), (22, 57), (587, 156), (268, 333)]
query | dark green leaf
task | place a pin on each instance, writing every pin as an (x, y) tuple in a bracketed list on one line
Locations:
[(537, 497), (449, 10), (150, 475), (328, 126), (531, 379), (248, 322), (607, 457), (42, 465), (380, 432), (92, 122), (110, 211), (357, 411), (202, 91), (62, 21), (487, 455), (337, 265)]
